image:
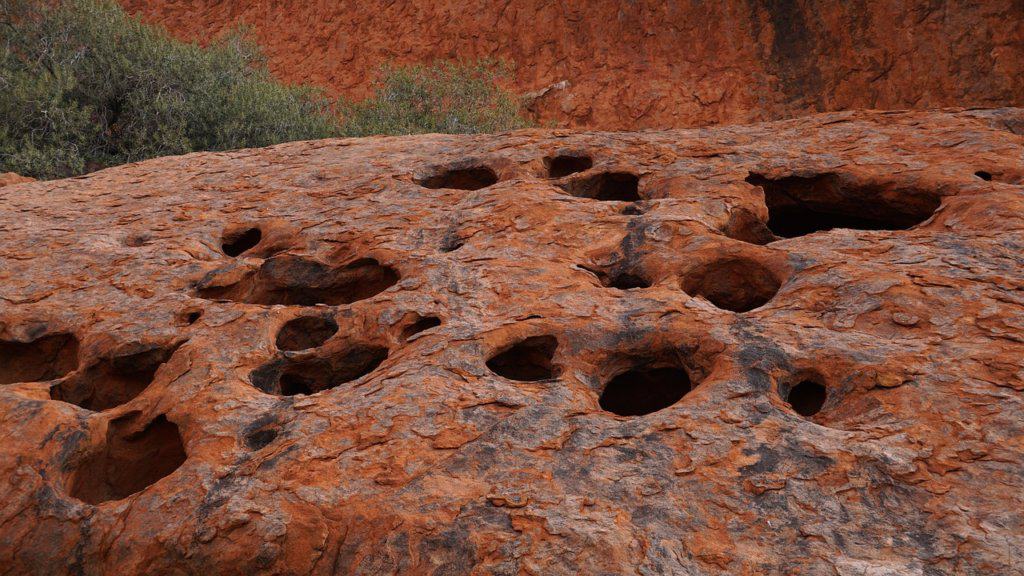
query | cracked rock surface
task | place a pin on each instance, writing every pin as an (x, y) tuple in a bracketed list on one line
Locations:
[(786, 348)]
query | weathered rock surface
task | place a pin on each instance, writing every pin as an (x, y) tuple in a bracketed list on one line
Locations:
[(651, 64), (540, 352), (8, 178)]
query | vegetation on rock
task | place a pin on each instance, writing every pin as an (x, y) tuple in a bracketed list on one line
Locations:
[(86, 86), (448, 97), (83, 86)]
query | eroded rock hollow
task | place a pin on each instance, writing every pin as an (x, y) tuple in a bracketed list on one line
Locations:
[(770, 349)]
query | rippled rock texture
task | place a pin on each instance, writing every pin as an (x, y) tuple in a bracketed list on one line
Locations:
[(788, 348)]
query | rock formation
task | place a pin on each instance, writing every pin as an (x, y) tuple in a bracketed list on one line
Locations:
[(629, 65), (8, 178), (787, 348)]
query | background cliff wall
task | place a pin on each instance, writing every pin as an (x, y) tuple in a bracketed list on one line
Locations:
[(651, 63)]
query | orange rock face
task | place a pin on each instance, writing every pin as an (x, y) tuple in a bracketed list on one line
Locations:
[(8, 178), (629, 65), (789, 348)]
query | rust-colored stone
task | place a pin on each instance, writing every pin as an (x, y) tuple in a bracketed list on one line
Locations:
[(8, 178), (315, 358), (650, 63)]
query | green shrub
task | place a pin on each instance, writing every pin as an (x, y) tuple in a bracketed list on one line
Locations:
[(448, 97), (83, 85)]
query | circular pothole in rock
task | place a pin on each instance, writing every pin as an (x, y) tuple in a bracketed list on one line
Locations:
[(452, 241), (644, 389), (562, 165), (313, 375), (305, 332), (621, 277), (45, 358), (298, 281), (188, 317), (261, 432), (236, 242), (259, 439), (421, 324), (461, 178), (132, 458), (806, 397), (528, 360), (627, 281), (605, 186), (634, 209), (115, 379), (800, 205), (735, 284)]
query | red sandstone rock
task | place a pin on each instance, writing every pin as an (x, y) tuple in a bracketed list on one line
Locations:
[(629, 65), (425, 355), (8, 178)]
